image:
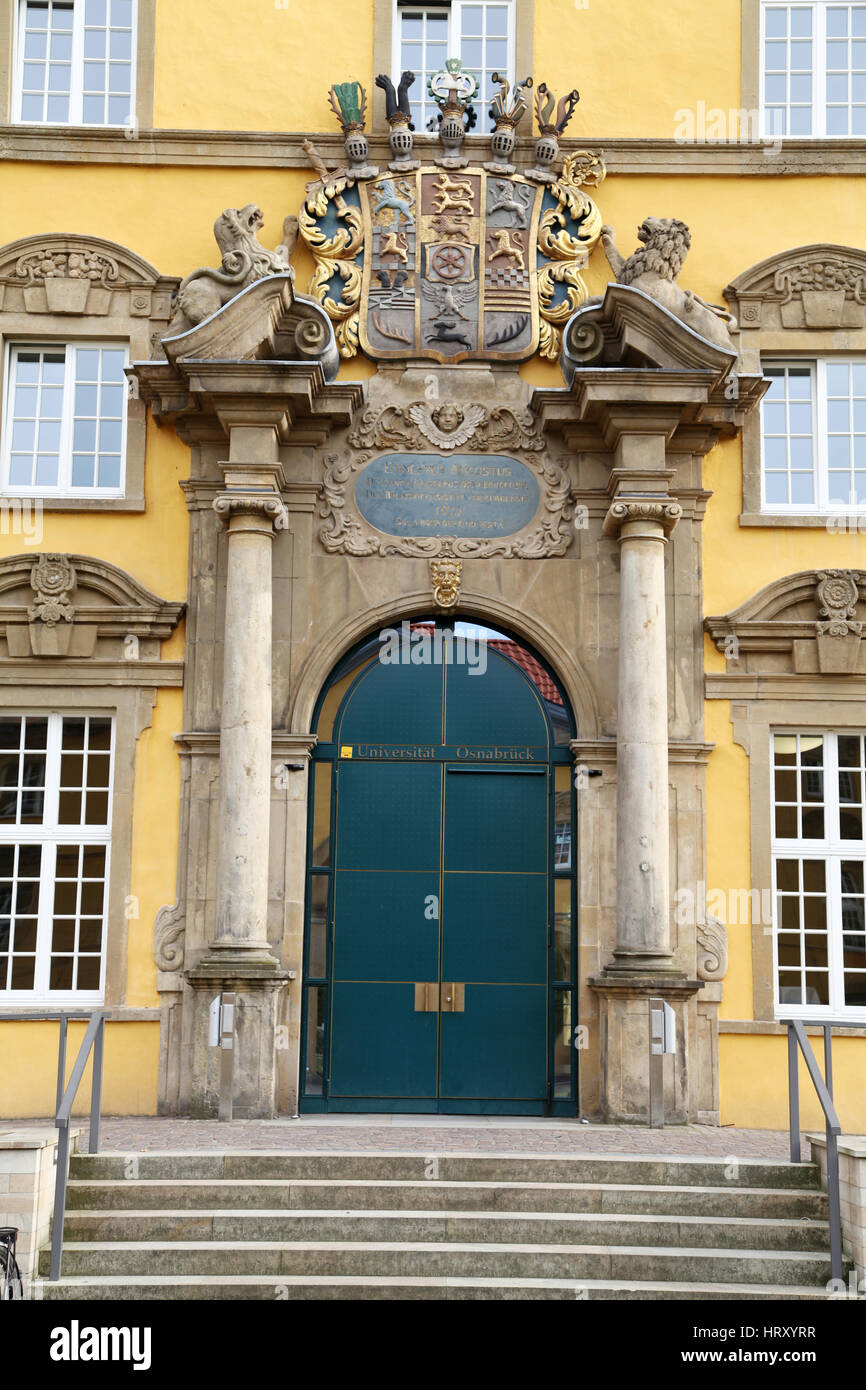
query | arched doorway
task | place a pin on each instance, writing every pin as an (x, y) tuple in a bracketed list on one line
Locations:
[(440, 952)]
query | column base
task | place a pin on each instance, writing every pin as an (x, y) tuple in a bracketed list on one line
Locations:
[(257, 984), (623, 1020)]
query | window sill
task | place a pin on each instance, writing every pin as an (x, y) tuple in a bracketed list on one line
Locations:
[(72, 504), (834, 522)]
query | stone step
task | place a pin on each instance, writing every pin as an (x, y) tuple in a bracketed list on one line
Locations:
[(429, 1259), (459, 1167), (369, 1193), (598, 1228), (610, 1273)]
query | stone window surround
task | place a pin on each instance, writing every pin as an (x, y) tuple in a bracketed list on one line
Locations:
[(132, 711), (809, 707), (130, 329), (144, 64), (786, 347), (384, 45), (758, 343)]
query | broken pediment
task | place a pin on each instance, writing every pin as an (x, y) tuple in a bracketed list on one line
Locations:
[(629, 328), (819, 286), (809, 622), (58, 605), (265, 321)]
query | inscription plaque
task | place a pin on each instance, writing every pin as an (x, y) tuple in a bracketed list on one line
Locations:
[(463, 495)]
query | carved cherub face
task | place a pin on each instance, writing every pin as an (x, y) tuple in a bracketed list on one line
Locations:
[(448, 416)]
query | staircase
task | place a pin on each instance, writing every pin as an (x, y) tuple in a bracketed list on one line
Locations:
[(460, 1226)]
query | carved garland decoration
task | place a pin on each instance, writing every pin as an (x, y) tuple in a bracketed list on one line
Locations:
[(72, 265)]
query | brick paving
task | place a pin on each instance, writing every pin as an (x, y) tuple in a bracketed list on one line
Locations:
[(439, 1134)]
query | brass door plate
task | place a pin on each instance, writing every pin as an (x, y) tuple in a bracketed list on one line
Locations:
[(453, 999), (427, 997)]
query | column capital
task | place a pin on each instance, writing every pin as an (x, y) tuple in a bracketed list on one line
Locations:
[(256, 511), (658, 517)]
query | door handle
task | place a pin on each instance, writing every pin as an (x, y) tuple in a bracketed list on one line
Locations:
[(453, 998), (431, 997)]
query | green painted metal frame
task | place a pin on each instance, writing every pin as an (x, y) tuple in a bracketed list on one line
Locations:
[(328, 752)]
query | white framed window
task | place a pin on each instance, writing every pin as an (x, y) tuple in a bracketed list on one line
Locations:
[(479, 32), (75, 62), (813, 69), (819, 856), (55, 817), (64, 433), (813, 436)]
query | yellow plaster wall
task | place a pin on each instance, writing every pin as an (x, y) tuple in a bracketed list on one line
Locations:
[(754, 1083), (634, 65), (264, 65), (28, 1077)]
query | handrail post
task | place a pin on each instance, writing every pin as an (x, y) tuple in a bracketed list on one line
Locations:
[(793, 1095), (61, 1062), (96, 1087), (834, 1204), (59, 1202)]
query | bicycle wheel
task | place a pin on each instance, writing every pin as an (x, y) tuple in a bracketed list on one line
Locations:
[(11, 1283)]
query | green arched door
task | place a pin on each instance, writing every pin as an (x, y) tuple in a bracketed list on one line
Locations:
[(438, 950)]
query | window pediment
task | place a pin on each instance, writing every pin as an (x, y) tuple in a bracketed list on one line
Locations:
[(808, 622), (75, 605), (87, 275), (820, 286)]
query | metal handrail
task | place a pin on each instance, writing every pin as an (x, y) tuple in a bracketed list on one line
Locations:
[(94, 1038), (824, 1091)]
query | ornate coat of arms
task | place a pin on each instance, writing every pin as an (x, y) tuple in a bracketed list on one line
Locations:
[(450, 261)]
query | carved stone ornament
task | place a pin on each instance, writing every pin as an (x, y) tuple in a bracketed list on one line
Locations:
[(654, 269), (778, 629), (168, 937), (446, 575), (447, 425), (836, 596), (52, 579), (244, 261), (664, 513), (345, 532), (838, 636), (248, 504), (820, 286), (712, 937), (451, 266)]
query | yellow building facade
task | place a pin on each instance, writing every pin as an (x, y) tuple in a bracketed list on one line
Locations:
[(682, 106)]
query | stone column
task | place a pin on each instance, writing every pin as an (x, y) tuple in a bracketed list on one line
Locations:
[(239, 958), (642, 825), (245, 727)]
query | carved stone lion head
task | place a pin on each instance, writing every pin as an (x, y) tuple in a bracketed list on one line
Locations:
[(666, 242)]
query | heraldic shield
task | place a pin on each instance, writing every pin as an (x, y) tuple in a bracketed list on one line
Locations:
[(451, 264), (449, 269)]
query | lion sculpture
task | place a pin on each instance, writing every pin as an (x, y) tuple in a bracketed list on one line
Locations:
[(245, 260), (654, 268)]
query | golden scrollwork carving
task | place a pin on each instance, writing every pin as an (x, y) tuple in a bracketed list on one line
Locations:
[(334, 249), (568, 255)]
